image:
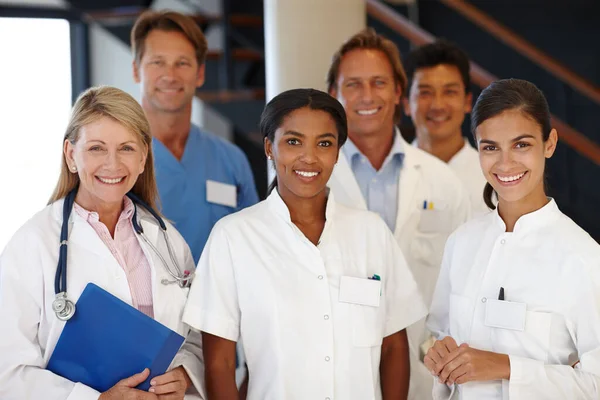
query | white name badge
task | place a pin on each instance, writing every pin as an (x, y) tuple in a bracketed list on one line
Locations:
[(505, 314), (366, 292), (221, 193)]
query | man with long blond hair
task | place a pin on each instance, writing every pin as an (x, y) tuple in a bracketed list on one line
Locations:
[(201, 177), (418, 196)]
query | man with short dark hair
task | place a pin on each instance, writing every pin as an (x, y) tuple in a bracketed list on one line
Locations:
[(439, 96)]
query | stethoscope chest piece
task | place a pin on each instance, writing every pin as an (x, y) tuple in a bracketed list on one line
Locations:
[(63, 307)]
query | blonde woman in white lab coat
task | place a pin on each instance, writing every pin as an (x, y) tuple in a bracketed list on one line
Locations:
[(517, 306), (319, 294), (107, 153)]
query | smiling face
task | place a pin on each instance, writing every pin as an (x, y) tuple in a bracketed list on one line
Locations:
[(438, 102), (512, 154), (168, 72), (304, 152), (366, 88), (108, 159)]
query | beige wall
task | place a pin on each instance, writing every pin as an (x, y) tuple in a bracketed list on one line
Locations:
[(302, 35)]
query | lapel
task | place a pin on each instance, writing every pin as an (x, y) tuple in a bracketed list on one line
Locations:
[(151, 229), (81, 234), (409, 185), (101, 268), (344, 185)]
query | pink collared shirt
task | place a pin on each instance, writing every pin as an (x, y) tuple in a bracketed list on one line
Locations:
[(128, 252)]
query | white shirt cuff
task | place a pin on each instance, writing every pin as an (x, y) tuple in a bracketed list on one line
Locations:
[(83, 392), (522, 371)]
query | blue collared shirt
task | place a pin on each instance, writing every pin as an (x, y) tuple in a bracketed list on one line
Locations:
[(379, 188), (182, 184)]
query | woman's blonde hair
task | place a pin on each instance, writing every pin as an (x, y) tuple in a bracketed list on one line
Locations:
[(106, 101)]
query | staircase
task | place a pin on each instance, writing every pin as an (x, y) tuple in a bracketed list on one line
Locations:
[(557, 31)]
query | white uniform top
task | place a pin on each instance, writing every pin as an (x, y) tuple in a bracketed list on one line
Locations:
[(553, 267), (261, 280), (466, 166), (420, 231), (30, 329)]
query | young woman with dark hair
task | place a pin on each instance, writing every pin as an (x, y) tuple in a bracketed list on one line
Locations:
[(516, 309), (319, 294)]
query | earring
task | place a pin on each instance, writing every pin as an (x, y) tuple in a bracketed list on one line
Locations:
[(74, 168), (269, 157)]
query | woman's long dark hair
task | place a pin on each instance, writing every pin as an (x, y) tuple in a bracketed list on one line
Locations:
[(285, 103), (506, 95)]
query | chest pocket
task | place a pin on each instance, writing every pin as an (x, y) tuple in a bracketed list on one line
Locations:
[(533, 342), (367, 325), (435, 221)]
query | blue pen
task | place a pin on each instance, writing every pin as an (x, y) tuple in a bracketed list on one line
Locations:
[(424, 204)]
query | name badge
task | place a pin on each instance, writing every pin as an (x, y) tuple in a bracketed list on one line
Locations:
[(505, 314), (366, 292), (221, 193)]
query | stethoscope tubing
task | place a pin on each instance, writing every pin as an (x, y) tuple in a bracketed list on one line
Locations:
[(65, 308)]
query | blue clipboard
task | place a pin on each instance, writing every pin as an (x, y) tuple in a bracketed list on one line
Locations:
[(108, 340)]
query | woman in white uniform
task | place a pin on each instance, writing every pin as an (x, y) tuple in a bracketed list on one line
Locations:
[(107, 154), (517, 305), (319, 294)]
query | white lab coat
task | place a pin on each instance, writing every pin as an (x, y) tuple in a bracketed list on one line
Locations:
[(548, 264), (30, 329), (420, 233), (260, 279)]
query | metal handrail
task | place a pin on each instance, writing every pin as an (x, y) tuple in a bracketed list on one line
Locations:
[(482, 78), (526, 49)]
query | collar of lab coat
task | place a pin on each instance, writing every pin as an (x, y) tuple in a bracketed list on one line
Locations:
[(350, 151), (460, 155), (146, 220), (344, 182), (411, 158), (277, 204), (532, 221)]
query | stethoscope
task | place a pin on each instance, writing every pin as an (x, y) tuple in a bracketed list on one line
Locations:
[(65, 308)]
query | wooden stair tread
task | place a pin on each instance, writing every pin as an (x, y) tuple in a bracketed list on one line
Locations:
[(129, 14), (239, 54), (226, 96)]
